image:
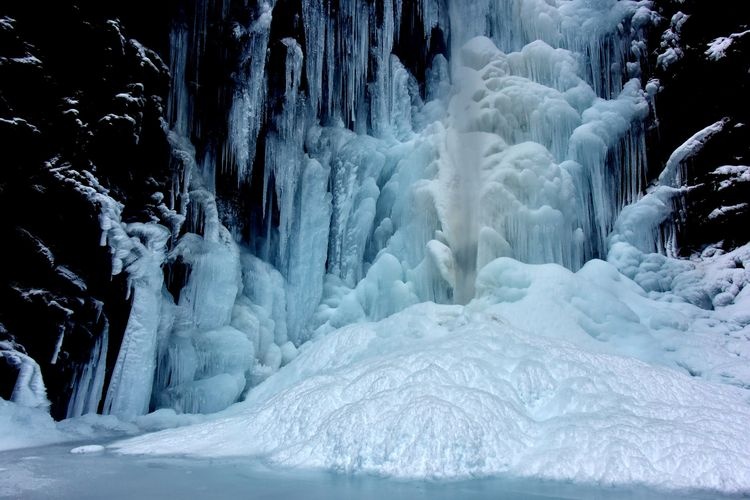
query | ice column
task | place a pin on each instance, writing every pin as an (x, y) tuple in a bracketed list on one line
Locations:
[(129, 391)]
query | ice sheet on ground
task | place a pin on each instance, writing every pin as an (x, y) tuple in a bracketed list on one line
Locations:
[(53, 472)]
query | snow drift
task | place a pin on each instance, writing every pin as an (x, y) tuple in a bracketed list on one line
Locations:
[(451, 391)]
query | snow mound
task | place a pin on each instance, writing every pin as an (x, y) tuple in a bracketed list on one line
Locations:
[(448, 392)]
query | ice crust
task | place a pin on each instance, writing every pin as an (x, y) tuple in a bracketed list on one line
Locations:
[(448, 392)]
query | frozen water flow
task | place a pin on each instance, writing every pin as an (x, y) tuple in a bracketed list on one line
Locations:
[(89, 385), (129, 391)]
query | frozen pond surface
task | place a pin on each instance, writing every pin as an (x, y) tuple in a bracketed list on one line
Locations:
[(53, 472)]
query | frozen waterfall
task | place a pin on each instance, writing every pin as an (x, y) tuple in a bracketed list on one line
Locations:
[(371, 188)]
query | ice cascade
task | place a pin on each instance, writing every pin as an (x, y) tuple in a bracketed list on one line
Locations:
[(364, 182)]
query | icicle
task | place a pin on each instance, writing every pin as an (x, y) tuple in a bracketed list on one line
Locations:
[(314, 16), (308, 248), (284, 147), (200, 30), (246, 114), (398, 10), (88, 384), (651, 223), (347, 62), (179, 106), (528, 147), (596, 144), (380, 100)]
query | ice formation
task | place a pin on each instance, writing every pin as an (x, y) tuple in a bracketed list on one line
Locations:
[(526, 142), (29, 390), (25, 426)]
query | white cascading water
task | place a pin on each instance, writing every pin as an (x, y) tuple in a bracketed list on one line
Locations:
[(526, 144)]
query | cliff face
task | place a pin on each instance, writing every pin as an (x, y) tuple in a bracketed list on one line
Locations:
[(83, 112), (81, 106), (700, 54)]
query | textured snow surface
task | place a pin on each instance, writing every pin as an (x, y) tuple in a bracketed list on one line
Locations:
[(451, 391), (600, 309)]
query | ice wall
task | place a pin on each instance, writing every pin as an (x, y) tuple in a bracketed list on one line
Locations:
[(370, 183), (529, 153)]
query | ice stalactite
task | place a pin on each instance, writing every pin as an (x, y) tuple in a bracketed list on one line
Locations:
[(308, 247), (246, 114), (184, 354), (650, 224), (88, 386), (179, 105), (200, 360), (314, 21), (284, 155)]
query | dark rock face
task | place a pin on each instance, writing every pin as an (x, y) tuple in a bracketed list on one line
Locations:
[(80, 112), (700, 88)]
